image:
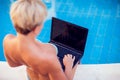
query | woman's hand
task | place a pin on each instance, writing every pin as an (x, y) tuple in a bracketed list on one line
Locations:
[(68, 62)]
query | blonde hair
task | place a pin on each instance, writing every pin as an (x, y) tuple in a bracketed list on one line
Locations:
[(27, 14)]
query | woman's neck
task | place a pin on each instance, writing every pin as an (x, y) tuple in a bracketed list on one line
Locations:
[(30, 37)]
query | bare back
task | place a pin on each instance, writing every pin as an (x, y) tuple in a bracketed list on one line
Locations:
[(35, 55)]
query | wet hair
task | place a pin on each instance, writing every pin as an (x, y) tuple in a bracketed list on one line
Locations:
[(27, 14)]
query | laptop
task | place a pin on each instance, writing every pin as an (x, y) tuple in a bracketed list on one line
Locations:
[(68, 38)]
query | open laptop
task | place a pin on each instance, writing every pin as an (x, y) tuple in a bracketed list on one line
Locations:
[(68, 38)]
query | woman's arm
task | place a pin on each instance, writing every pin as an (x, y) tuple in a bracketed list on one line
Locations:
[(57, 73), (6, 49), (55, 70), (69, 69)]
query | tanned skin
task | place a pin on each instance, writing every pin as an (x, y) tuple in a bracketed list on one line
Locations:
[(39, 58)]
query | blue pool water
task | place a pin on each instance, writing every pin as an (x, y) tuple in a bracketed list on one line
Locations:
[(101, 17)]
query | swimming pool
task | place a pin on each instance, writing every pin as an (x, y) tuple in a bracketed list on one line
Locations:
[(101, 17)]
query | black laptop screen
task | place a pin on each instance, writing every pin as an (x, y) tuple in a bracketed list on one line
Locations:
[(69, 34)]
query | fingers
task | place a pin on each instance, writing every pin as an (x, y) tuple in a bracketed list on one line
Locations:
[(73, 58), (68, 60), (70, 57)]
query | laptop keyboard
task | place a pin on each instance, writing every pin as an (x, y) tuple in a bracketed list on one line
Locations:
[(63, 51)]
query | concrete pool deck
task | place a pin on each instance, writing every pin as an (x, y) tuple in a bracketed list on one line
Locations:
[(83, 72)]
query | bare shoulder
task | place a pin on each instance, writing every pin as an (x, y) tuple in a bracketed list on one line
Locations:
[(51, 49), (52, 59), (8, 37), (51, 54)]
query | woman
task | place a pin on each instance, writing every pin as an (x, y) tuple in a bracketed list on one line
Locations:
[(23, 49)]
